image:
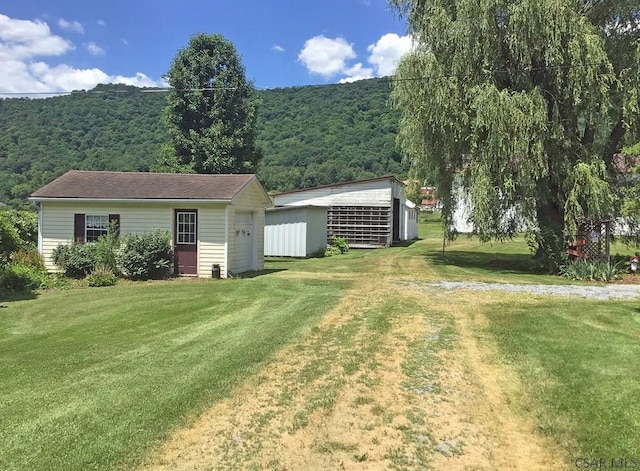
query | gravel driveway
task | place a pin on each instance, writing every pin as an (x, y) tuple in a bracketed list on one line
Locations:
[(592, 292)]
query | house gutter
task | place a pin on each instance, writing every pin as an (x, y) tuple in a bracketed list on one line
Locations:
[(226, 241), (127, 200)]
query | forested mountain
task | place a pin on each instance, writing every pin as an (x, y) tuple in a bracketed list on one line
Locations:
[(309, 135)]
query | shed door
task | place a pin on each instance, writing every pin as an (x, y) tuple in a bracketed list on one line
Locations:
[(186, 242), (396, 219), (244, 239)]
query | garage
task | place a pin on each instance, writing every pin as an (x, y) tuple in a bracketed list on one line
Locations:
[(244, 242)]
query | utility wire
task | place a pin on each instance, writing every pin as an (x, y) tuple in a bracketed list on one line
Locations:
[(136, 90), (397, 79)]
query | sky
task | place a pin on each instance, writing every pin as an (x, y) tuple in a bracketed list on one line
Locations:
[(64, 45)]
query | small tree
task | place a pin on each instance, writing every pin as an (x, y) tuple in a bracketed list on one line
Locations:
[(212, 111), (9, 238)]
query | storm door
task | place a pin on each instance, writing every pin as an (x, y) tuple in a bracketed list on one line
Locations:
[(186, 242)]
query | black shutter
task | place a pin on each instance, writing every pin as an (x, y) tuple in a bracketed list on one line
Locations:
[(78, 228), (115, 218)]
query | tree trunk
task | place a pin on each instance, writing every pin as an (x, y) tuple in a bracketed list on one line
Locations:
[(550, 239)]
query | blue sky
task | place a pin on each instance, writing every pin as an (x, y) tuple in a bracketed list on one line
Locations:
[(67, 45)]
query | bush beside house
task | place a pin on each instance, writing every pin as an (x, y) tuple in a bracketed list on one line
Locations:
[(136, 256)]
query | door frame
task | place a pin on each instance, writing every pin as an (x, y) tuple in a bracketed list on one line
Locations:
[(254, 241), (195, 245), (395, 225)]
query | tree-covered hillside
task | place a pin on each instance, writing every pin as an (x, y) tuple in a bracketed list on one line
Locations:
[(319, 135), (309, 135)]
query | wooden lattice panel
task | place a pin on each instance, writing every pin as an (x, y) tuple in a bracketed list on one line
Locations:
[(592, 241), (360, 226)]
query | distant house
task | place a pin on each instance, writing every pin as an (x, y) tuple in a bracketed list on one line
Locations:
[(367, 213), (212, 219), (428, 199)]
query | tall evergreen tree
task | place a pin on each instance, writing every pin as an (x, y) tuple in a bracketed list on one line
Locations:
[(524, 103), (212, 110)]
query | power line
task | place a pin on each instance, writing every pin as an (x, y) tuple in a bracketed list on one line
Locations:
[(399, 79), (136, 90)]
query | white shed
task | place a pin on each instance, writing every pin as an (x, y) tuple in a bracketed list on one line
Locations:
[(295, 231), (212, 219), (410, 221), (367, 213)]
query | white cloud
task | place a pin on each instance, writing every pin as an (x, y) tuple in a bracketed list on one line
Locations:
[(22, 39), (124, 41), (387, 51), (101, 23), (94, 49), (277, 48), (330, 57), (325, 56), (139, 80), (357, 72), (71, 26), (24, 47)]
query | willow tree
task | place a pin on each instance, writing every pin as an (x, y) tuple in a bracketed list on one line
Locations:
[(212, 110), (520, 104)]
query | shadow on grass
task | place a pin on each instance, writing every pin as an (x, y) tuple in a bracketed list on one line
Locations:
[(493, 262), (16, 297), (255, 274), (405, 243)]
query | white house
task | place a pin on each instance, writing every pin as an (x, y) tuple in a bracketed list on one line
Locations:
[(367, 213), (295, 231), (212, 219)]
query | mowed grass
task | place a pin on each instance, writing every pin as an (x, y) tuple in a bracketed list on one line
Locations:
[(94, 378), (97, 378), (579, 362)]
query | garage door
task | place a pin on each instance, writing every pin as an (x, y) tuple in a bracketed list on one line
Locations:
[(244, 243)]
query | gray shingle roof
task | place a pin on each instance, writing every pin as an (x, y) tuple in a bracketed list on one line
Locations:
[(136, 185)]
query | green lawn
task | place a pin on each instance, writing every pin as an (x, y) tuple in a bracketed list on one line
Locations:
[(95, 378), (91, 378), (579, 362)]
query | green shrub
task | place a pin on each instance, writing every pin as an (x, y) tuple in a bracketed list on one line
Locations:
[(337, 246), (101, 276), (9, 238), (340, 243), (76, 260), (18, 278), (26, 225), (30, 258), (146, 256), (331, 250), (107, 248), (587, 270)]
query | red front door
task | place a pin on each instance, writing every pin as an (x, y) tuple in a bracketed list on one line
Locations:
[(186, 242)]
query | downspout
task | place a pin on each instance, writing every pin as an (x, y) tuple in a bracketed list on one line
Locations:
[(39, 208), (226, 241)]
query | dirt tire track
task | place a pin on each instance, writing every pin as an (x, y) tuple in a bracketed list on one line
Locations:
[(368, 420)]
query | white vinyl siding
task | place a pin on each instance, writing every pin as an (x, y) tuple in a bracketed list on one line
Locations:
[(244, 236), (211, 244), (375, 193), (58, 221), (252, 198), (362, 212), (57, 224)]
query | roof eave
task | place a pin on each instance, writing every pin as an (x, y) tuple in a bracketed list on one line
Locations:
[(126, 200), (254, 179)]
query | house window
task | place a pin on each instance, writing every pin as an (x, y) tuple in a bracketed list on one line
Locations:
[(95, 226), (186, 228)]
